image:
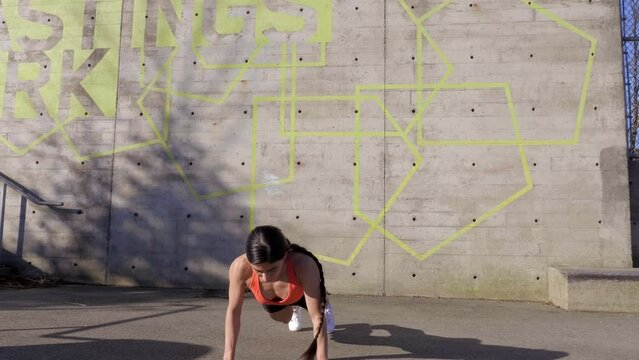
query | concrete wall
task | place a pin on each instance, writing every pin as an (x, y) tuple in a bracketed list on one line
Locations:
[(435, 148)]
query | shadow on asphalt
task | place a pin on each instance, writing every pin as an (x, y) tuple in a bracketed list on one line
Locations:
[(106, 350), (418, 345)]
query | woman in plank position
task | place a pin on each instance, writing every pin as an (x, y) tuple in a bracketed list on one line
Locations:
[(283, 277)]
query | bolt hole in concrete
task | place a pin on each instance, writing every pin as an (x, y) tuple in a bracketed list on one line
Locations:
[(474, 276), (299, 163), (135, 214), (297, 216), (186, 269), (536, 220), (353, 274), (534, 164), (188, 216), (75, 264), (241, 216), (242, 163), (414, 275), (132, 266), (37, 162), (354, 218), (474, 220)]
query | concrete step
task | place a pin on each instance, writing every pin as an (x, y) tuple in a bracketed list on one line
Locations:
[(594, 289)]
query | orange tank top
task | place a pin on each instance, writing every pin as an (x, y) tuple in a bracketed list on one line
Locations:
[(295, 290)]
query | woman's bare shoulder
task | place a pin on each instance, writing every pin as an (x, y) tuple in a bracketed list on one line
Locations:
[(301, 261), (241, 267)]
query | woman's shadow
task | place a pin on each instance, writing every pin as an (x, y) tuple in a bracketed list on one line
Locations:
[(418, 345)]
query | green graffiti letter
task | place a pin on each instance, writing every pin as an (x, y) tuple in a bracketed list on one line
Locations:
[(27, 72), (71, 83), (50, 20)]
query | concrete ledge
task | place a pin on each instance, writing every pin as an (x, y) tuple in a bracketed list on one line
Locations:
[(615, 290)]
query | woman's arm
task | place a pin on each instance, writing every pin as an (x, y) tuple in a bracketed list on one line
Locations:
[(234, 309), (308, 274)]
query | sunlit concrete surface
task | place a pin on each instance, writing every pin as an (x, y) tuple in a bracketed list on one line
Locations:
[(86, 322)]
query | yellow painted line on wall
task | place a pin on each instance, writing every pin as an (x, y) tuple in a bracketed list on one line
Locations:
[(282, 22), (591, 58), (435, 10)]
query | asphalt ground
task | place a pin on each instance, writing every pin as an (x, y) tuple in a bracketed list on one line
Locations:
[(95, 322)]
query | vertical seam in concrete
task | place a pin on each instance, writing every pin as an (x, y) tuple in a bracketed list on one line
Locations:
[(115, 126), (384, 165)]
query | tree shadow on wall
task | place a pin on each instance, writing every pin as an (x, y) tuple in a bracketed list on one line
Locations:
[(128, 219), (418, 345)]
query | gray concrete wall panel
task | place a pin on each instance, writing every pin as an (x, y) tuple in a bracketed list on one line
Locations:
[(431, 148)]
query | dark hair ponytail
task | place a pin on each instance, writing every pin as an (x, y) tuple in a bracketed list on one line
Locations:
[(267, 244), (310, 353)]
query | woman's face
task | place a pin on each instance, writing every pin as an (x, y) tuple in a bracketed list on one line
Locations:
[(269, 272)]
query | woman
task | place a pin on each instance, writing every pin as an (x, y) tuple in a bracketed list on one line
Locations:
[(282, 276)]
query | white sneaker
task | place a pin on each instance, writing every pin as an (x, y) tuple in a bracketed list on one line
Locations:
[(328, 315), (295, 324)]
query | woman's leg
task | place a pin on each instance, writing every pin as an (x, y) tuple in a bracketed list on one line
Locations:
[(283, 315)]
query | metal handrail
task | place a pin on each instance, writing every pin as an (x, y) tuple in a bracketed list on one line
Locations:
[(33, 197), (26, 195)]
